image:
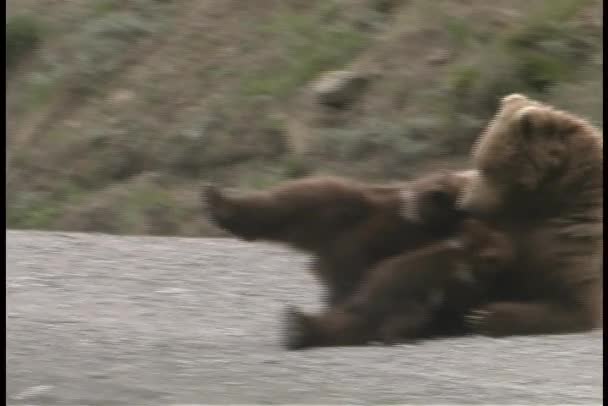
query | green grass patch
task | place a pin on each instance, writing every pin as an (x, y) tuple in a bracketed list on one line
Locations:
[(545, 49), (40, 210), (459, 31), (398, 143), (23, 34), (39, 89), (308, 44), (149, 209), (103, 45), (102, 7), (296, 167)]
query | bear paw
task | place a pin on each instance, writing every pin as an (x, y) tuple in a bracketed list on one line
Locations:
[(493, 320), (213, 201), (297, 333), (225, 214), (477, 320)]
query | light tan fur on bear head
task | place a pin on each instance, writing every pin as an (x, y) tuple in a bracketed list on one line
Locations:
[(532, 151), (540, 180)]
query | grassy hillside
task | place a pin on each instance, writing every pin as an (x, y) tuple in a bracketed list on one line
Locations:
[(117, 110)]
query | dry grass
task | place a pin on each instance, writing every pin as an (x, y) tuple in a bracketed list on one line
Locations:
[(111, 91)]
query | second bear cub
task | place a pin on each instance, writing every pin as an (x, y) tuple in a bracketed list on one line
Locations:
[(401, 299), (349, 227)]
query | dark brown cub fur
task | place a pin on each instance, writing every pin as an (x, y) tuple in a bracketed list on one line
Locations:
[(402, 297), (347, 226)]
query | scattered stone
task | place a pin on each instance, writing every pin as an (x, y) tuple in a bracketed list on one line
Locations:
[(73, 124), (438, 57), (340, 88), (122, 96)]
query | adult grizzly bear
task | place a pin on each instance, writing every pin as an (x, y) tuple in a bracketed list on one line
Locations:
[(347, 226), (400, 298), (540, 179)]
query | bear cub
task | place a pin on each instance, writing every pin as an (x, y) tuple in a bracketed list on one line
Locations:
[(347, 226), (400, 300)]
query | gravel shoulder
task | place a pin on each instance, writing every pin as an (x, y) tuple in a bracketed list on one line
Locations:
[(105, 320)]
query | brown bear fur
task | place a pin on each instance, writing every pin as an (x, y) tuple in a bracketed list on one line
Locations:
[(540, 179), (399, 300), (347, 226)]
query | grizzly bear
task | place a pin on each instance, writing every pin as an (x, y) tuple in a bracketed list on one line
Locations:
[(540, 180), (400, 299), (347, 226)]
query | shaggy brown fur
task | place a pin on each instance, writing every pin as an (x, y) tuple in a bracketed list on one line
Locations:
[(347, 226), (540, 179), (400, 298)]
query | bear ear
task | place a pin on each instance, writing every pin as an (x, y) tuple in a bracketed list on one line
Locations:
[(531, 120), (514, 97), (440, 199)]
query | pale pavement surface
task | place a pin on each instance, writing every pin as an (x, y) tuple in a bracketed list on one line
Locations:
[(104, 320)]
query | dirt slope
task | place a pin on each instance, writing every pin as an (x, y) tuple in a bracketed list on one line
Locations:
[(122, 108)]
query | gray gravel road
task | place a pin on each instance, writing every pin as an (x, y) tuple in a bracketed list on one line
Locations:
[(103, 320)]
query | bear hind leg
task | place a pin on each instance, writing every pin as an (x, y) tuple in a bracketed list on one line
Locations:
[(334, 328), (405, 328), (500, 319)]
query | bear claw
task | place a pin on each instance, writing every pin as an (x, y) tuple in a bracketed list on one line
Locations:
[(216, 205), (476, 319), (296, 329), (211, 194)]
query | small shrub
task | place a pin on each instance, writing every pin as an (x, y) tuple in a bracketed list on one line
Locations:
[(102, 46), (142, 205), (459, 31), (30, 210), (462, 79), (384, 6), (40, 210), (545, 49), (393, 142), (584, 96), (232, 131), (296, 167), (39, 88), (102, 7), (113, 154), (548, 52), (23, 34), (308, 45), (149, 209)]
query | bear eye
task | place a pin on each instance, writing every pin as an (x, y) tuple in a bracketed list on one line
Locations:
[(493, 171), (526, 128), (439, 198)]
